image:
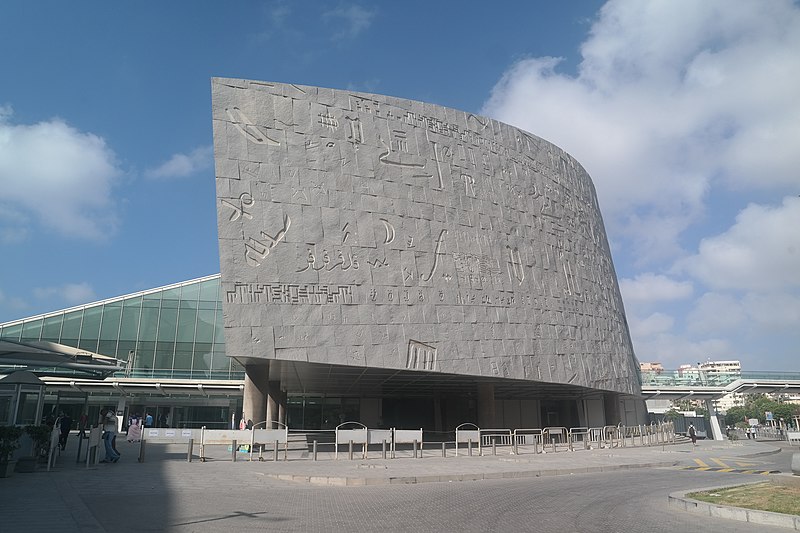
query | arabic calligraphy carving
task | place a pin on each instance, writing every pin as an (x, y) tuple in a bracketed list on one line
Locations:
[(257, 250), (252, 132), (245, 201)]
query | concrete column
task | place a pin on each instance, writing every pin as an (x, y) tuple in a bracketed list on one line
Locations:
[(256, 389), (611, 407), (282, 399), (273, 402), (486, 405), (716, 430)]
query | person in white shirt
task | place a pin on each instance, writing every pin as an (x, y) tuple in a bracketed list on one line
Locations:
[(109, 421)]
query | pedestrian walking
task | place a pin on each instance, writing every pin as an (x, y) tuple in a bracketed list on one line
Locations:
[(64, 425), (109, 421), (693, 434)]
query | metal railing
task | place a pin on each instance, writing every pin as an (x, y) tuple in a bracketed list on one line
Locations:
[(358, 440)]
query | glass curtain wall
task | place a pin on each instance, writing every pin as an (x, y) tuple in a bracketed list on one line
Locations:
[(172, 332)]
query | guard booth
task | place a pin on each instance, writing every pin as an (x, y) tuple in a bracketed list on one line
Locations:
[(21, 399)]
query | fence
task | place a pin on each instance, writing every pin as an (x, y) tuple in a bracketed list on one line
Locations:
[(409, 442)]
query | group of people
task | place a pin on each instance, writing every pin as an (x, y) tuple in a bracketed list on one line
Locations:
[(109, 422)]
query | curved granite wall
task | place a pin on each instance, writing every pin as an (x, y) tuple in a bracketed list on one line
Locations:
[(367, 230)]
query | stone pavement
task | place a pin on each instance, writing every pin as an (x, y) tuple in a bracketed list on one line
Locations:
[(62, 498)]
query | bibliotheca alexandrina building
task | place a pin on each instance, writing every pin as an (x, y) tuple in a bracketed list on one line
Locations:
[(382, 260)]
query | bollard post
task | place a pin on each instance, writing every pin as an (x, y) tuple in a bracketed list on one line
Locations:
[(189, 455), (364, 451), (233, 450), (286, 450), (260, 452), (494, 447), (314, 448), (469, 447), (415, 448), (444, 450), (553, 442), (350, 450), (275, 451), (383, 449), (141, 451), (421, 446)]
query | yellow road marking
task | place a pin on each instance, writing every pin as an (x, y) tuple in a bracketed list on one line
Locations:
[(720, 463), (743, 462), (700, 463)]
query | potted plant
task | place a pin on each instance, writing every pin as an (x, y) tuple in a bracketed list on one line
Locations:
[(40, 445), (9, 441)]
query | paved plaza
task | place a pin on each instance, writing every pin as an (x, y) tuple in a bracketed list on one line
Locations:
[(622, 489)]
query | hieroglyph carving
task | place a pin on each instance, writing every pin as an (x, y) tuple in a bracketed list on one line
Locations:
[(420, 356), (480, 238)]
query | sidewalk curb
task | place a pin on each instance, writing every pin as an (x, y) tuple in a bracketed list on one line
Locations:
[(351, 481), (679, 500)]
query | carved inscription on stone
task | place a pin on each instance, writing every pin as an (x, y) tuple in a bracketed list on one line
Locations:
[(418, 221), (420, 356)]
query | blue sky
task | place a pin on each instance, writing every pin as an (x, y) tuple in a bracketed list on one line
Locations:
[(686, 115)]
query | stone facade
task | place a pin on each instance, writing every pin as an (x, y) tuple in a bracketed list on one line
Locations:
[(366, 230)]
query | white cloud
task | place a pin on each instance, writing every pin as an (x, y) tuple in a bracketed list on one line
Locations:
[(670, 99), (182, 165), (760, 251), (716, 313), (651, 325), (57, 174), (69, 293), (773, 312), (350, 19), (650, 288)]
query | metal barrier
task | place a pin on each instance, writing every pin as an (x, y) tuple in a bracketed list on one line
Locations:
[(580, 434), (276, 437), (496, 437), (407, 436), (350, 437), (554, 436), (51, 452), (208, 437), (468, 433), (793, 437), (92, 457), (526, 437), (348, 434)]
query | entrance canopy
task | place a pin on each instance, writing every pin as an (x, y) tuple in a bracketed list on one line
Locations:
[(50, 358)]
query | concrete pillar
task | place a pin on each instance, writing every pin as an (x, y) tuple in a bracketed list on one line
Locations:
[(611, 407), (282, 399), (256, 389), (716, 430), (273, 402), (486, 405)]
